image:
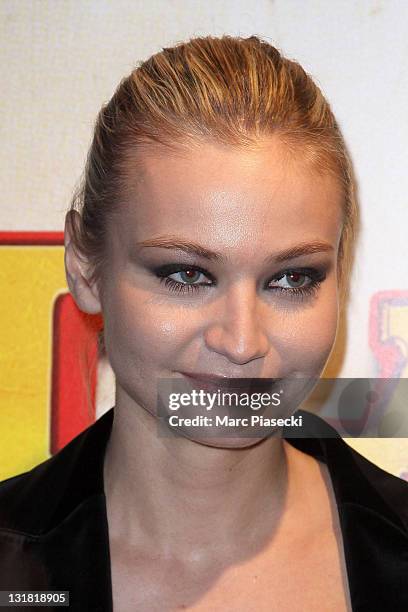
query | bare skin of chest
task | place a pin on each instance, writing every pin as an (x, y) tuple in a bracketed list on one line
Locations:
[(299, 575)]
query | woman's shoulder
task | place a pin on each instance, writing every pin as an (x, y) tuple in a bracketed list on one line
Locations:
[(391, 489), (357, 481), (53, 530), (36, 500)]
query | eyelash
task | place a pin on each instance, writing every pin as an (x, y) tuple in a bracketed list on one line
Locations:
[(316, 278)]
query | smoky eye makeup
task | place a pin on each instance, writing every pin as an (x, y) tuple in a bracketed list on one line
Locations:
[(165, 269), (294, 282), (295, 278), (191, 278)]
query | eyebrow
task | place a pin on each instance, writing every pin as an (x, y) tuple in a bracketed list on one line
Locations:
[(192, 248)]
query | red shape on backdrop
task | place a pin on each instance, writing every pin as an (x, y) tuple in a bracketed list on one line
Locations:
[(32, 238), (74, 371)]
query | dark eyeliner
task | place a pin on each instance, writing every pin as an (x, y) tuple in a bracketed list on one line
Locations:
[(316, 278), (166, 269)]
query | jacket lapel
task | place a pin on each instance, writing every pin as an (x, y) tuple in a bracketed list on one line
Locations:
[(53, 524), (76, 555), (76, 550), (375, 538)]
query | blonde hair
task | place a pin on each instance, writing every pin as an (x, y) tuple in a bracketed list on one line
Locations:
[(231, 90)]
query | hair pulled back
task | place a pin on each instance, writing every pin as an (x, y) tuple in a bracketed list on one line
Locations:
[(229, 90)]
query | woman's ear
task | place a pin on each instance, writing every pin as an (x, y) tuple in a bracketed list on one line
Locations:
[(85, 294)]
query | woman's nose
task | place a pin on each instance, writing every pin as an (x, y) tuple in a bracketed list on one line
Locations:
[(237, 329)]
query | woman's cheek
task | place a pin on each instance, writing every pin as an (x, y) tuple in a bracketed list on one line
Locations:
[(321, 337), (306, 340), (145, 330)]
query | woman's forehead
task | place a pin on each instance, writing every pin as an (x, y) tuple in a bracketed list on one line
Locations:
[(230, 193)]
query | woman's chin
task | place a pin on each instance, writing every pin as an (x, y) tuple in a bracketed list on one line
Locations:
[(227, 442)]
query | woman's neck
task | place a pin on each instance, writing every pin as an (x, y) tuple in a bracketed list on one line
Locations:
[(188, 501)]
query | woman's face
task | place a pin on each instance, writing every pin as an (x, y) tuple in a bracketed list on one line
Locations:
[(222, 262)]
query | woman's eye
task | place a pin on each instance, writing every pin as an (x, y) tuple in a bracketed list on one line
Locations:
[(293, 280), (182, 279), (190, 277), (298, 283)]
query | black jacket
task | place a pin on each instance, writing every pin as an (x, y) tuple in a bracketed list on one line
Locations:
[(54, 531)]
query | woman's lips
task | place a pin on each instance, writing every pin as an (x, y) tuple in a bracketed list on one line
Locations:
[(213, 383)]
